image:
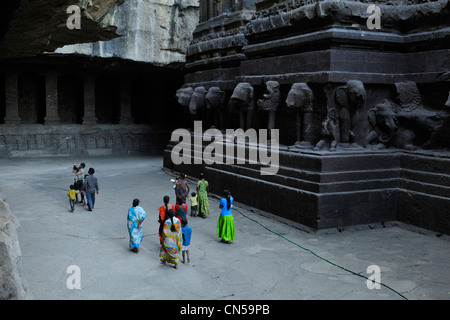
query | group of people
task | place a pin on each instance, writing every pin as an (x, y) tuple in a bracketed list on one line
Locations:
[(199, 200), (174, 231), (84, 184)]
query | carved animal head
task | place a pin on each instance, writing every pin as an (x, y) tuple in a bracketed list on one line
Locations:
[(242, 97), (198, 100), (243, 92), (352, 95), (408, 95), (272, 87), (271, 99), (300, 96), (382, 114), (184, 96), (214, 98)]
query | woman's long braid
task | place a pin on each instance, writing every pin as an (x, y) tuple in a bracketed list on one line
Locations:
[(166, 200), (228, 195)]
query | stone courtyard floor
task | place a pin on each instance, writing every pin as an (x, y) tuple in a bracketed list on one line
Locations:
[(271, 259)]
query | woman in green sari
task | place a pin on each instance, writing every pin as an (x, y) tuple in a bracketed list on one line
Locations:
[(203, 193), (225, 225)]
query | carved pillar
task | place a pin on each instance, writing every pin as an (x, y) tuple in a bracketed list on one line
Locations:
[(51, 99), (204, 4), (125, 102), (12, 99), (89, 117)]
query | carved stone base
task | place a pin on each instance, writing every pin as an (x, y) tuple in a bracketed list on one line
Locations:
[(61, 140), (323, 190)]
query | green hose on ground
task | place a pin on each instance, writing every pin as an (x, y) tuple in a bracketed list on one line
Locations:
[(309, 250), (313, 253)]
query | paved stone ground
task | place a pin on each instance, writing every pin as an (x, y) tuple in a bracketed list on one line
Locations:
[(258, 265)]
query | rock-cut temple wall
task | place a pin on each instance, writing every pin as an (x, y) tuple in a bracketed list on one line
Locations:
[(358, 91)]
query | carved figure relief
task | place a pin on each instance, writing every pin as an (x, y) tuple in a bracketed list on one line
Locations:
[(349, 98), (413, 114), (214, 104), (198, 102), (385, 130), (329, 132), (270, 102), (184, 96), (300, 99), (242, 102)]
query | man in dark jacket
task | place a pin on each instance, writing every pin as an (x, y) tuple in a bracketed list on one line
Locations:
[(91, 188)]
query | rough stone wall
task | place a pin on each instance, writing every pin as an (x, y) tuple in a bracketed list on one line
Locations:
[(12, 285), (153, 31)]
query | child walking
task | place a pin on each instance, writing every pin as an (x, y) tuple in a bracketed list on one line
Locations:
[(72, 196), (194, 202), (187, 232)]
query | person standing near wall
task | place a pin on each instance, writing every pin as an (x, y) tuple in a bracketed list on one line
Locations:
[(203, 193), (91, 188), (225, 225)]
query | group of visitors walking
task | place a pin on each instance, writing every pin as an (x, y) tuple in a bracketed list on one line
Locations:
[(174, 232), (84, 184)]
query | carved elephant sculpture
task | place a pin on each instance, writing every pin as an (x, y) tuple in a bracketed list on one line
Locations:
[(214, 104), (242, 102), (385, 130), (198, 101), (300, 99), (349, 98), (192, 100), (184, 96)]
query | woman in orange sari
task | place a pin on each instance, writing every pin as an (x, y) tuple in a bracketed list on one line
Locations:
[(162, 216)]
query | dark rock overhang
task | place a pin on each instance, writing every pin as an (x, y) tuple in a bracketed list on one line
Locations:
[(30, 27)]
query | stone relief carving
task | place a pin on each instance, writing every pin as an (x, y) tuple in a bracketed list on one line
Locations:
[(411, 113), (214, 104), (404, 122), (270, 102), (329, 132), (198, 102), (184, 96), (385, 130), (242, 102), (192, 100), (349, 98), (300, 98)]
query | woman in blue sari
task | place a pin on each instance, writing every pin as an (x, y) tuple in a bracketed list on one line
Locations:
[(136, 216)]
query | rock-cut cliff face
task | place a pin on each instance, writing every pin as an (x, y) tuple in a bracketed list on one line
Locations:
[(30, 27), (12, 284), (153, 31)]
